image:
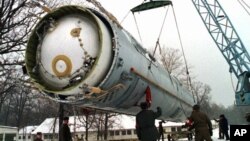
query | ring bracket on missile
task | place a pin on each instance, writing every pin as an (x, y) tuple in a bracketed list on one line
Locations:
[(56, 66)]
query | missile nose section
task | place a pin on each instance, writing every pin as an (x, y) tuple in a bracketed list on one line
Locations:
[(69, 47), (79, 56)]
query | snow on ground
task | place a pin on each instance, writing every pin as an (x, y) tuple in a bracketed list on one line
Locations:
[(214, 137)]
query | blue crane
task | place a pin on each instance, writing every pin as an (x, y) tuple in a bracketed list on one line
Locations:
[(229, 43)]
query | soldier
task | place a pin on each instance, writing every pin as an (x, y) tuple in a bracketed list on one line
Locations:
[(65, 134), (161, 130), (201, 124), (169, 137), (221, 135), (38, 136), (145, 123), (224, 126)]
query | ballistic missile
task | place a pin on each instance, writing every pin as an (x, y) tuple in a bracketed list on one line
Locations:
[(80, 56)]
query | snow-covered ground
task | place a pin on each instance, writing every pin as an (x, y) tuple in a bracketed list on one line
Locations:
[(214, 137)]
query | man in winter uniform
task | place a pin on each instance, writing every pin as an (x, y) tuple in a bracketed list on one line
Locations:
[(145, 123), (224, 126), (65, 134), (161, 130), (221, 135), (201, 124)]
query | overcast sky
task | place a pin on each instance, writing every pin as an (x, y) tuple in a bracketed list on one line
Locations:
[(209, 66)]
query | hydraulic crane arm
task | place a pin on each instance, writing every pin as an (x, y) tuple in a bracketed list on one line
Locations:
[(229, 43)]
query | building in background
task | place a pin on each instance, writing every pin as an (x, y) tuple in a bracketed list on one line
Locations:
[(8, 133), (24, 134), (122, 130)]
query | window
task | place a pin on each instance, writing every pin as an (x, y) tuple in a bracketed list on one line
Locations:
[(173, 129), (1, 137), (10, 137), (123, 132), (46, 136), (50, 136), (179, 129), (111, 133), (117, 133), (129, 132)]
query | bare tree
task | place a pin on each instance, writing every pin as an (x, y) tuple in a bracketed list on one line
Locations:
[(17, 101), (202, 95), (105, 121), (6, 84), (17, 19), (15, 24), (172, 60)]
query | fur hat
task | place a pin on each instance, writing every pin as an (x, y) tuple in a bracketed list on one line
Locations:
[(66, 118), (144, 105), (196, 107)]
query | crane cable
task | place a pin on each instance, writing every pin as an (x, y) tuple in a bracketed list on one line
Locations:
[(185, 60), (232, 83), (137, 28), (124, 17), (158, 39)]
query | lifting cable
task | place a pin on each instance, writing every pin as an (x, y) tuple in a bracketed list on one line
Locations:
[(137, 28), (147, 6), (185, 60), (125, 17), (158, 39), (232, 82)]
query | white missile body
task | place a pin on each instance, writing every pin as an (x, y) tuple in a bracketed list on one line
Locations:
[(79, 56)]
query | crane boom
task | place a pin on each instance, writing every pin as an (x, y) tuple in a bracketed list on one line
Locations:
[(229, 43)]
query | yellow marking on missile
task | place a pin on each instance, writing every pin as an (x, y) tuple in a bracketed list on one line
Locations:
[(67, 62), (75, 32)]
